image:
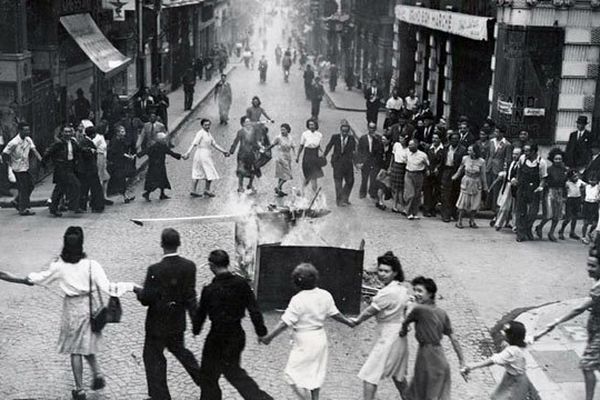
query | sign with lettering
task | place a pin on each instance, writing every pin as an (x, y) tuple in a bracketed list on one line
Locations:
[(505, 107), (469, 26), (534, 112)]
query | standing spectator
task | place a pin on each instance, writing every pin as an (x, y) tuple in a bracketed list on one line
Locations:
[(162, 103), (333, 77), (506, 211), (452, 158), (310, 143), (522, 140), (554, 194), (169, 292), (411, 102), (209, 66), (370, 155), (402, 128), (225, 301), (119, 164), (393, 106), (397, 171), (144, 103), (148, 136), (497, 161), (373, 96), (156, 176), (308, 76), (424, 133), (344, 146), (417, 165), (575, 189), (87, 172), (81, 107), (189, 82), (466, 137), (255, 111), (133, 127), (578, 152), (199, 68), (431, 185), (531, 181), (593, 167), (473, 183), (283, 162), (384, 186), (590, 208), (223, 97), (16, 154), (111, 108), (63, 154), (316, 96)]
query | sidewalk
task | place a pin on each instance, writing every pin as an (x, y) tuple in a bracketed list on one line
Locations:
[(553, 361), (177, 117)]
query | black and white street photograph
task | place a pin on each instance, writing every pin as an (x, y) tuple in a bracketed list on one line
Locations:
[(299, 199)]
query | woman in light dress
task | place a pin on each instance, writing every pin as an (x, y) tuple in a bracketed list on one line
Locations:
[(77, 276), (283, 163), (310, 143), (306, 313), (472, 184), (389, 356), (203, 166)]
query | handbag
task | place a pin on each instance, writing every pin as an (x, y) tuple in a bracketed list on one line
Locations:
[(111, 313)]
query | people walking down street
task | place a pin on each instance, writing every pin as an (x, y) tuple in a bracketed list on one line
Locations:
[(431, 378), (81, 280), (119, 164), (286, 65), (225, 301), (575, 187), (333, 77), (189, 83), (411, 102), (148, 134), (169, 292), (373, 96), (316, 96), (88, 174), (283, 162), (199, 67), (144, 104), (306, 313), (246, 55), (310, 144), (203, 166), (431, 184), (16, 154), (553, 198), (309, 77), (506, 211), (278, 54), (578, 153), (531, 179), (384, 187), (156, 176), (417, 166), (255, 111), (397, 171), (101, 148), (342, 162), (389, 356), (162, 103), (370, 156), (63, 154), (472, 185), (497, 161), (521, 141), (590, 360), (247, 154), (263, 66), (590, 208), (223, 97), (514, 384), (452, 156), (467, 137)]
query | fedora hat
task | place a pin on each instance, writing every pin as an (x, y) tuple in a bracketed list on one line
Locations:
[(582, 119)]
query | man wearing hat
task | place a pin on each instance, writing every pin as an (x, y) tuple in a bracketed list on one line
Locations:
[(424, 133), (344, 146), (373, 97), (578, 153)]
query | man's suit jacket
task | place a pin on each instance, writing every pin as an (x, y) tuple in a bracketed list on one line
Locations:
[(87, 163), (467, 139), (397, 130), (169, 291), (578, 152), (57, 153), (341, 158), (498, 158), (424, 134), (436, 160), (593, 167), (375, 156), (459, 153), (369, 94)]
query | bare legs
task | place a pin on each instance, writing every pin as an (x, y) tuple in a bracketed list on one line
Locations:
[(590, 383), (305, 394), (195, 186), (77, 367), (370, 389)]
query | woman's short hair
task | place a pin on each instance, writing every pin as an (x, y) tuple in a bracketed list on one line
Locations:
[(305, 276), (554, 152), (390, 259), (243, 119), (72, 251), (476, 150), (257, 99), (287, 127), (308, 121), (515, 333), (427, 283), (203, 120)]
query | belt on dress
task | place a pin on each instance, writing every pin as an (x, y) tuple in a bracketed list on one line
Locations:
[(308, 329)]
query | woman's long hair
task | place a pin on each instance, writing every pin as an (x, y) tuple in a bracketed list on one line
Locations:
[(72, 251)]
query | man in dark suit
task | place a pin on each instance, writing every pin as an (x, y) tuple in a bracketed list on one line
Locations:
[(578, 152), (373, 96), (402, 128), (499, 157), (225, 302), (424, 133), (169, 292), (593, 167), (450, 189), (343, 145), (431, 184), (370, 159), (466, 137)]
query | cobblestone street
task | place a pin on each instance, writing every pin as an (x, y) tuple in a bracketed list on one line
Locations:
[(481, 274)]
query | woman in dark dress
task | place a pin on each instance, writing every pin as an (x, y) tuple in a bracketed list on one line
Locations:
[(554, 194), (156, 177), (119, 165), (310, 143), (247, 154)]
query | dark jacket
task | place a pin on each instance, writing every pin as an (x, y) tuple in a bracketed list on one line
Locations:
[(397, 130), (308, 76), (578, 152), (57, 153), (467, 139), (375, 157), (341, 158), (169, 291), (459, 153), (87, 163), (436, 159), (424, 136), (368, 93), (225, 302), (593, 167)]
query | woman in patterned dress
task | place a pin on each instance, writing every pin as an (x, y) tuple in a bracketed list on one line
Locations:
[(554, 194), (472, 184), (283, 163), (397, 169)]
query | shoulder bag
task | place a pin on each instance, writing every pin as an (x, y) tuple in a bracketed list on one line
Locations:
[(111, 313)]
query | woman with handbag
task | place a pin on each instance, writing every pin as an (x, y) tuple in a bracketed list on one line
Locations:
[(83, 314), (312, 162)]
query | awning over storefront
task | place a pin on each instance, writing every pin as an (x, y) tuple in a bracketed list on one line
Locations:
[(466, 25), (94, 44), (180, 3)]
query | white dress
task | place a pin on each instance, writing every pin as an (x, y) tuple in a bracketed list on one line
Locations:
[(306, 313), (203, 166)]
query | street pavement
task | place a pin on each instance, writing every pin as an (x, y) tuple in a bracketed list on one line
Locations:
[(481, 274)]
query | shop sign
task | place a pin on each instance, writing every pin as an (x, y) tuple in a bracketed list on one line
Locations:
[(469, 26), (534, 112), (505, 107)]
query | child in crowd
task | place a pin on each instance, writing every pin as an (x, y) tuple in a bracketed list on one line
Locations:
[(574, 187), (590, 208)]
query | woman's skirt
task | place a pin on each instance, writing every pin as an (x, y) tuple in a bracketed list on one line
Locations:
[(470, 194), (203, 166), (310, 165), (102, 170), (389, 356), (397, 173), (307, 364), (76, 336), (553, 204), (515, 387), (505, 205), (283, 168), (432, 374), (590, 360)]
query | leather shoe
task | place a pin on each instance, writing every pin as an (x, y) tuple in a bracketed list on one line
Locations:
[(26, 213)]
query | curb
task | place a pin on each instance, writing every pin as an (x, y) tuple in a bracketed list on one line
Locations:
[(142, 166), (330, 101)]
